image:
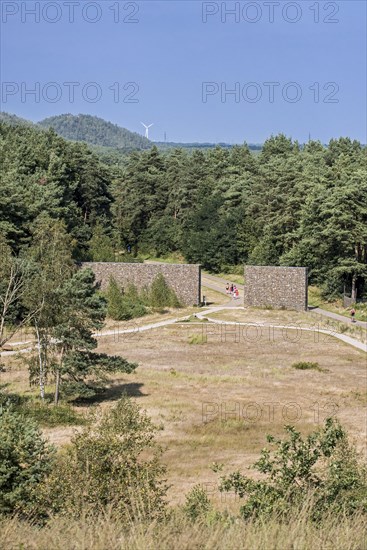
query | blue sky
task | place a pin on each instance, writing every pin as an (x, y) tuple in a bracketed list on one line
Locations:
[(181, 57)]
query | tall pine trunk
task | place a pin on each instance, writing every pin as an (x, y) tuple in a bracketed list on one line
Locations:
[(354, 288), (58, 379)]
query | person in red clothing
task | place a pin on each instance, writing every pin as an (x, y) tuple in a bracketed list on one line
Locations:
[(352, 315)]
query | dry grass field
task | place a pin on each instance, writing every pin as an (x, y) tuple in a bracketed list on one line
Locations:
[(217, 390), (217, 400), (105, 533)]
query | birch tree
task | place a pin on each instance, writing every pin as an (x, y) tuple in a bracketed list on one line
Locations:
[(15, 277), (51, 252)]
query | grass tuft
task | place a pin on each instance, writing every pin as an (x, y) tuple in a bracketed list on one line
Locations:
[(307, 365), (198, 339)]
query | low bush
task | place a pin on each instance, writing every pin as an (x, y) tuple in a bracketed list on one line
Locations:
[(197, 504), (322, 468), (161, 295), (113, 462)]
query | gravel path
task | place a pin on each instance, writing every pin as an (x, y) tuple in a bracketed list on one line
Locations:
[(219, 284), (338, 317)]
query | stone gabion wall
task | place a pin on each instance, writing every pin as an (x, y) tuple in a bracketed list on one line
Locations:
[(185, 279), (278, 287)]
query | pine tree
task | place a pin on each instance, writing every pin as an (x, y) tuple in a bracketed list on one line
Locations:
[(100, 246), (82, 312), (25, 460)]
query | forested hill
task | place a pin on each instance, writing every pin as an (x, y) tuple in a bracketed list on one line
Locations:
[(14, 120), (110, 141), (95, 131), (288, 205)]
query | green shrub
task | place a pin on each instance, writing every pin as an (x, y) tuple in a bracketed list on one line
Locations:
[(306, 365), (161, 295), (129, 304), (113, 462), (25, 459), (322, 467), (123, 306), (197, 505), (73, 390), (173, 299), (198, 339)]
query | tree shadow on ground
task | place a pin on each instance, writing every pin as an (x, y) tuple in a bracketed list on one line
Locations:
[(12, 398), (113, 393)]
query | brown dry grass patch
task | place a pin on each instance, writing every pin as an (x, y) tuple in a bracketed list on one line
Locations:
[(215, 402)]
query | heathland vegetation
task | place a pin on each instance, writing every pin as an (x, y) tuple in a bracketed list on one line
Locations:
[(122, 480), (112, 475)]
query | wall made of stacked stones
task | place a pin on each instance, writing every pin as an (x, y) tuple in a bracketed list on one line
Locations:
[(276, 287), (185, 279)]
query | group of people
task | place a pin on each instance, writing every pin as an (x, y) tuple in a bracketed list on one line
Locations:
[(232, 290)]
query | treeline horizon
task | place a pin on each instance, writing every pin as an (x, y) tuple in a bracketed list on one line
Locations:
[(291, 204), (112, 141)]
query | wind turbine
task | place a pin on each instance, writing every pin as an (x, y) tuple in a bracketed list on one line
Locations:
[(147, 129)]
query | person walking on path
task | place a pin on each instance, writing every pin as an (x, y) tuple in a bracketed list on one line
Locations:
[(235, 293), (352, 315)]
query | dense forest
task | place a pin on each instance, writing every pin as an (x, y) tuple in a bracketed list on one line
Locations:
[(288, 205)]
